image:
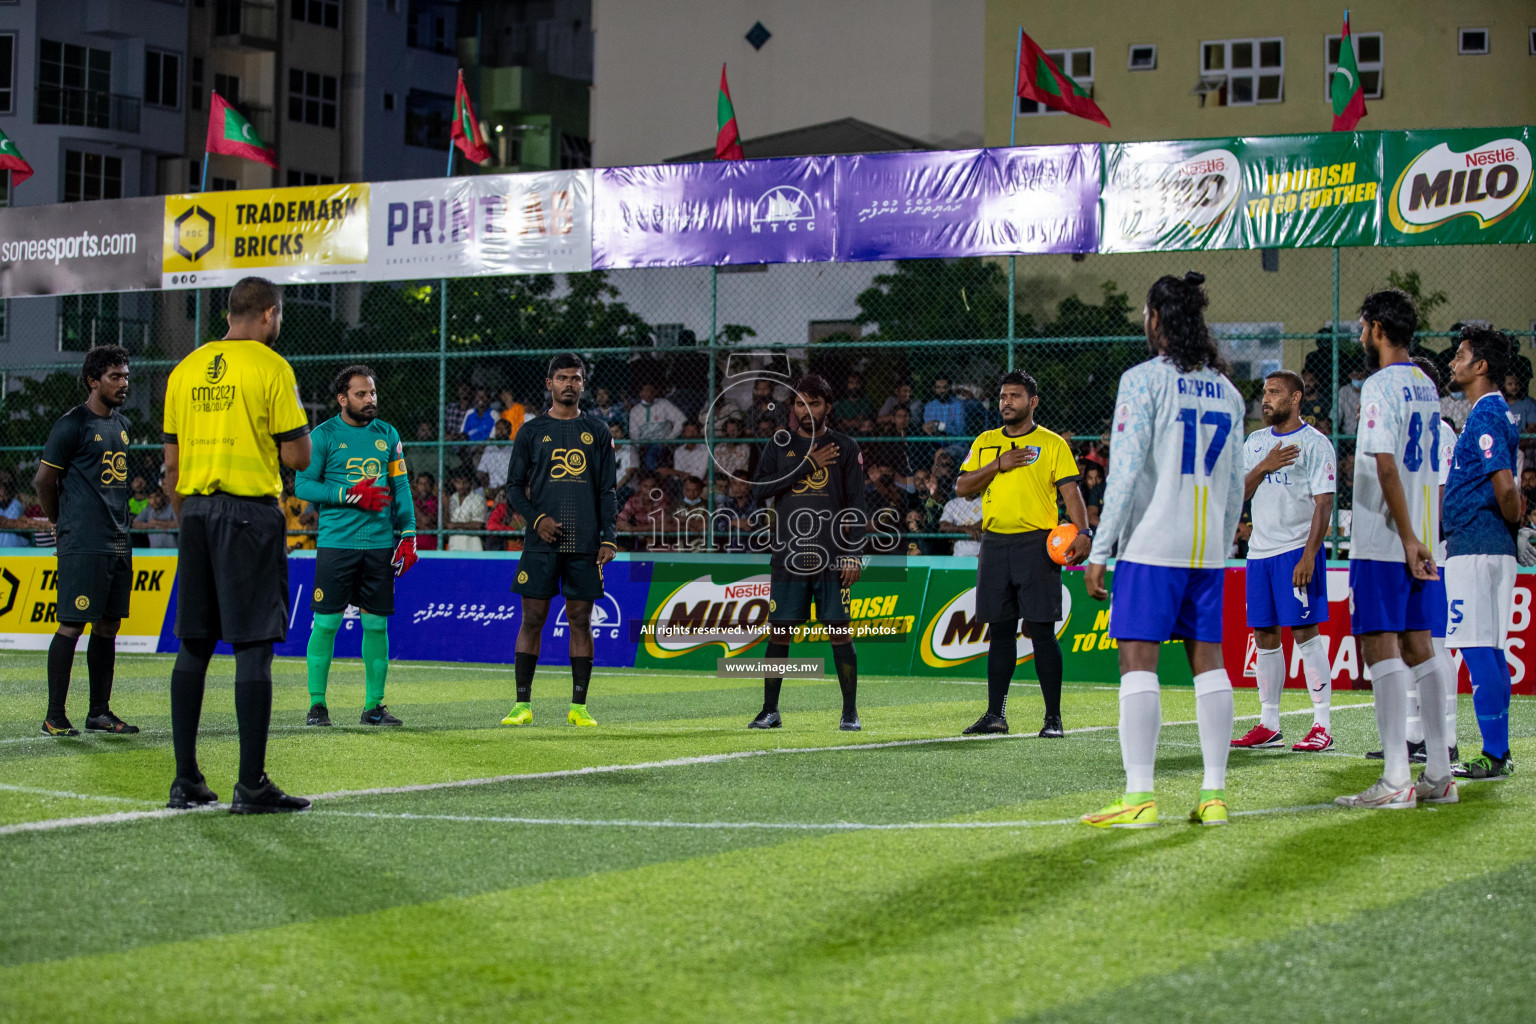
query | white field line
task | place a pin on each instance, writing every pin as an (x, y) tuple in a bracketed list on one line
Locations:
[(34, 791)]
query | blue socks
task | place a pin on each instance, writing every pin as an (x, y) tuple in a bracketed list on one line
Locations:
[(1490, 696)]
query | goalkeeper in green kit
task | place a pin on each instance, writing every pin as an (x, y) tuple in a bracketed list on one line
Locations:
[(357, 478)]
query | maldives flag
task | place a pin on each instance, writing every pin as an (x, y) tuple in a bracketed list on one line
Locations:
[(1345, 89), (1042, 81), (10, 160), (466, 129), (727, 135), (231, 134)]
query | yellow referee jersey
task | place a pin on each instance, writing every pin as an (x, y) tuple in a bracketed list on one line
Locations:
[(227, 406), (1023, 499)]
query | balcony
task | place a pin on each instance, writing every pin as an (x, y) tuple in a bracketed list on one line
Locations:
[(87, 108), (81, 332), (244, 25)]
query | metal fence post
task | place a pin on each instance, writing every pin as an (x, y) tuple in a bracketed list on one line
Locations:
[(1333, 330), (442, 403), (709, 403), (1011, 300)]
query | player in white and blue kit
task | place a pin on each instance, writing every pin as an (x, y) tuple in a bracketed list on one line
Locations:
[(1171, 504), (1482, 512), (1290, 481), (1396, 520)]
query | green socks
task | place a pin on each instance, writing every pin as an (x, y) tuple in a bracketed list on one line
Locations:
[(375, 659), (317, 657)]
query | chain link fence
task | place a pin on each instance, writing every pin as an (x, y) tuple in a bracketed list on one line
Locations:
[(690, 367)]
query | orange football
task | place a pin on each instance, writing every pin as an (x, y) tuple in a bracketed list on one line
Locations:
[(1059, 542)]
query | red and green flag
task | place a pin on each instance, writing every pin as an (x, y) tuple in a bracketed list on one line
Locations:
[(1042, 81), (727, 135), (466, 128), (10, 160), (1344, 88), (231, 134)]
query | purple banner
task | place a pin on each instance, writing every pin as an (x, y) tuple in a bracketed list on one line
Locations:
[(977, 202), (708, 214)]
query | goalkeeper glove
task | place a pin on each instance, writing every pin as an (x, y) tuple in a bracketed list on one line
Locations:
[(405, 556), (1524, 549), (366, 495)]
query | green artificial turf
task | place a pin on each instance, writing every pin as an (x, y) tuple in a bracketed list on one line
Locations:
[(712, 873)]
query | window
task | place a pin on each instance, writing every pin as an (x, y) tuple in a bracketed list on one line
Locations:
[(312, 98), (575, 152), (296, 178), (74, 85), (1532, 42), (222, 184), (195, 90), (162, 79), (91, 176), (427, 117), (1142, 58), (1076, 65), (7, 74), (1472, 41), (314, 294), (389, 101), (317, 12), (227, 86), (427, 27), (1367, 62), (5, 307), (1243, 72)]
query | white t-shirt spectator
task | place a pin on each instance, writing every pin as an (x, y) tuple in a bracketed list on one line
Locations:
[(692, 460), (656, 420), (494, 462), (156, 522), (468, 509), (964, 512)]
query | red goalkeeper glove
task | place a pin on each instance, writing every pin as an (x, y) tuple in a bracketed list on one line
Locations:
[(405, 556), (366, 495)]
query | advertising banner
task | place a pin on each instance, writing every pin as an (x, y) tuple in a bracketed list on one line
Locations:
[(29, 587), (1171, 195), (729, 211), (73, 248), (1456, 187), (317, 233), (979, 202), (1310, 190), (483, 224)]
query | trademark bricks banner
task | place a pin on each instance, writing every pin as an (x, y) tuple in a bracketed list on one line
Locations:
[(1470, 185), (319, 233), (484, 224), (723, 212), (983, 202), (29, 588), (72, 248)]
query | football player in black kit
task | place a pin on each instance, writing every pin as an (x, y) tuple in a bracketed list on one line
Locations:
[(82, 484), (561, 481), (816, 481)]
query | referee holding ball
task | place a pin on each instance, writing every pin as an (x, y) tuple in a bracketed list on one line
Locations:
[(231, 412), (1019, 467)]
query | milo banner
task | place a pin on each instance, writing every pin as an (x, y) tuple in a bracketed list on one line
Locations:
[(485, 224), (287, 235), (29, 591), (71, 248), (1470, 185)]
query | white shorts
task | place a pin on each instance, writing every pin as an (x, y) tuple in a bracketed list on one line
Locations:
[(1480, 596)]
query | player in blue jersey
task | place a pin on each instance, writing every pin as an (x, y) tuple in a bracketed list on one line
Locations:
[(1172, 503), (1483, 508), (1395, 523)]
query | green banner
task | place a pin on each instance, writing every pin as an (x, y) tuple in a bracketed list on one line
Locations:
[(1468, 185), (1282, 191)]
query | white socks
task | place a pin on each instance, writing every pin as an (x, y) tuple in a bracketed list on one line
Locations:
[(1448, 674), (1319, 678), (1415, 731), (1430, 681), (1213, 715), (1390, 679), (1270, 669), (1141, 717)]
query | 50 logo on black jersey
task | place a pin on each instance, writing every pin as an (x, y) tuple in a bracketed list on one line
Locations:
[(568, 462), (815, 482), (114, 467)]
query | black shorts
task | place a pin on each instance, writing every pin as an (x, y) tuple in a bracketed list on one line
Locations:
[(363, 578), (1016, 579), (232, 570), (790, 597), (94, 587), (575, 574)]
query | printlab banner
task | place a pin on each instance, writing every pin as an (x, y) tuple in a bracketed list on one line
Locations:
[(73, 248), (1455, 187), (706, 214), (287, 235), (483, 224), (981, 202), (1277, 191)]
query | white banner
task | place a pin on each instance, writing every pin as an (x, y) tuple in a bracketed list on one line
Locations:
[(484, 224)]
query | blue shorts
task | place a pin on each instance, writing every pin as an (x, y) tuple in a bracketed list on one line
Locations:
[(1384, 597), (1158, 602), (1272, 598), (1437, 605)]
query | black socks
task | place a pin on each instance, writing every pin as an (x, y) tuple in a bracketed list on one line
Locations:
[(772, 684), (253, 708), (581, 678), (1001, 655), (1047, 665), (847, 663), (61, 661), (100, 661), (523, 665), (187, 681)]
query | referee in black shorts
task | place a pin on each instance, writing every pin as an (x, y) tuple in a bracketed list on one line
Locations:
[(231, 412)]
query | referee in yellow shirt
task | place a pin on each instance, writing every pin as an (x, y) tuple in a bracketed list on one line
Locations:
[(231, 412), (1018, 468)]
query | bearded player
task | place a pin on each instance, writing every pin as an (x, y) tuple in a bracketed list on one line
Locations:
[(357, 558), (561, 481)]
